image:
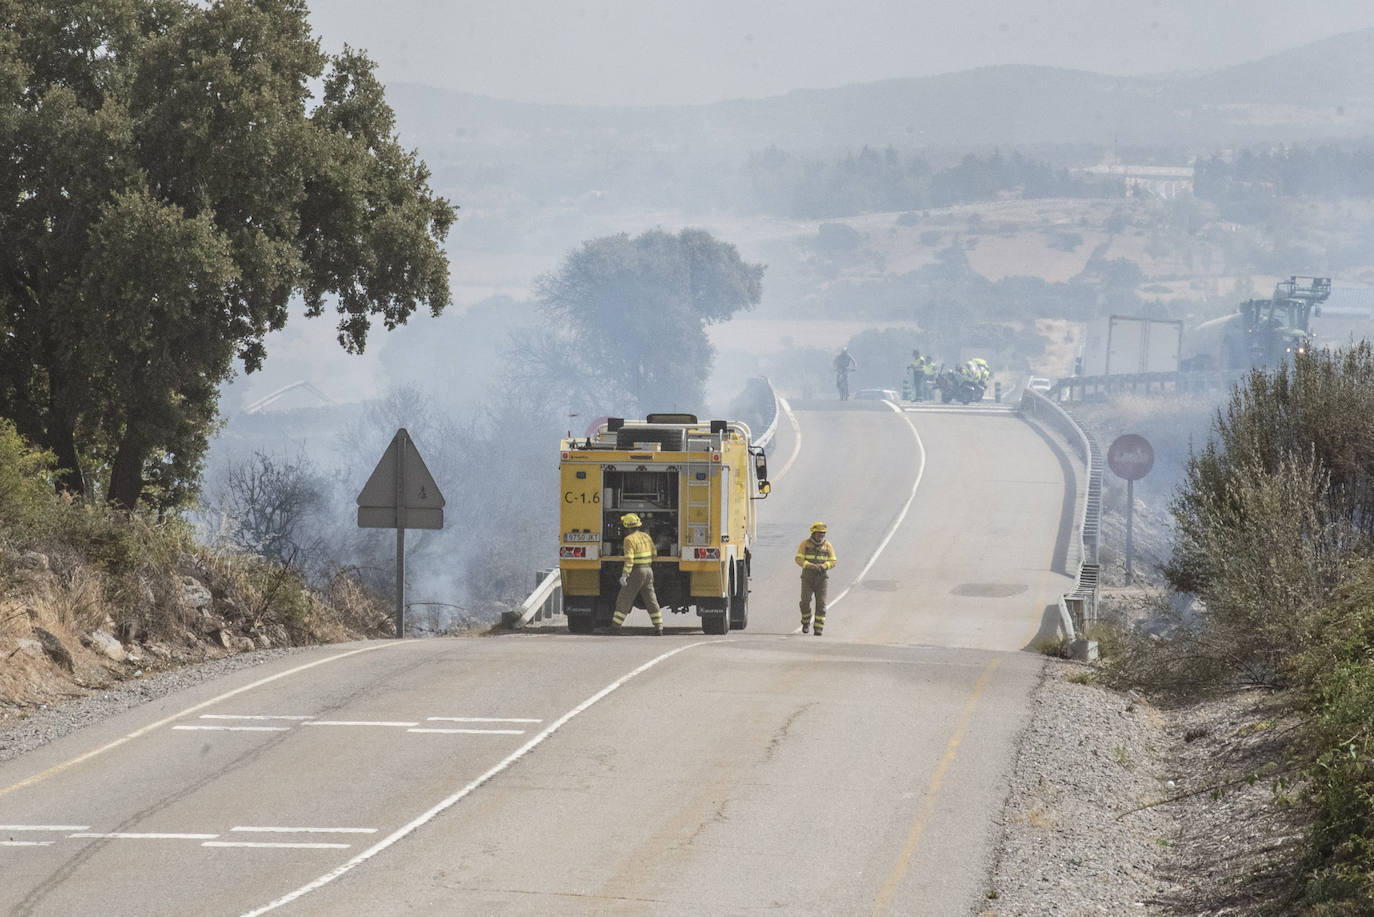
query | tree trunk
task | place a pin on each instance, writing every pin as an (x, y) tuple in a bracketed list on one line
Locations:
[(61, 439), (126, 474)]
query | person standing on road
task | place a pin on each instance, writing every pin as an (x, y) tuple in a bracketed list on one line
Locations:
[(844, 365), (637, 578), (816, 556)]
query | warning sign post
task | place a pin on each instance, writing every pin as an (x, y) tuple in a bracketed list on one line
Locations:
[(401, 494)]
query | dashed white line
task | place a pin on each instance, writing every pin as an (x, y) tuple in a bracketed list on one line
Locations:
[(26, 843), (63, 828), (391, 723), (251, 716), (233, 728), (264, 829), (480, 719), (277, 845), (469, 732), (143, 836)]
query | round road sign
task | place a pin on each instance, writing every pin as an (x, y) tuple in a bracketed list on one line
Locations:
[(1130, 457)]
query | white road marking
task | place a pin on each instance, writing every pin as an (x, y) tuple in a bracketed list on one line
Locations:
[(469, 732), (57, 769), (26, 843), (251, 716), (392, 723), (480, 719), (235, 728), (279, 845), (427, 816), (63, 828), (796, 438), (263, 829), (144, 836), (896, 523)]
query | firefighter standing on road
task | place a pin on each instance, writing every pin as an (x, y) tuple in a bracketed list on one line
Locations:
[(815, 556), (637, 579)]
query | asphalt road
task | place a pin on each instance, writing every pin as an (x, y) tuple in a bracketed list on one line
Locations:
[(862, 772)]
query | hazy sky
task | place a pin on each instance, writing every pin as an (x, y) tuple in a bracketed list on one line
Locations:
[(645, 52)]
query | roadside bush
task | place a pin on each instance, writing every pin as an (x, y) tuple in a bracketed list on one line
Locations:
[(26, 489), (1335, 676)]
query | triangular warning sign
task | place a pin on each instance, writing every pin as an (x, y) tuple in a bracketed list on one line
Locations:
[(419, 495)]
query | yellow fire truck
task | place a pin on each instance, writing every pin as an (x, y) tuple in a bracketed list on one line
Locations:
[(692, 484)]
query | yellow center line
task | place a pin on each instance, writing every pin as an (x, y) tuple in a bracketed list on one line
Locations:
[(59, 768), (937, 779)]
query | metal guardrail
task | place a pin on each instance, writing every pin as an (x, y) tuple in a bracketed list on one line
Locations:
[(1090, 388), (1077, 608), (546, 601)]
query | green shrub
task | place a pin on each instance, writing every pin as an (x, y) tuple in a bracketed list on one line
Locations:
[(1336, 677), (26, 489)]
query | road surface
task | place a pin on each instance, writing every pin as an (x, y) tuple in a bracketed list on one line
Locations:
[(862, 772)]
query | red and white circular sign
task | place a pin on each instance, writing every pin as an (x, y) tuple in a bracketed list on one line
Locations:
[(1130, 457)]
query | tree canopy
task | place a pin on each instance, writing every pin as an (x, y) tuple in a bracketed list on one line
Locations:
[(633, 314), (169, 184)]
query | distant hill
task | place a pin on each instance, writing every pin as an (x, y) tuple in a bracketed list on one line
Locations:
[(1317, 91)]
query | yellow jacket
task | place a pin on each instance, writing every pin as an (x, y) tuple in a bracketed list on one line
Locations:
[(808, 552), (639, 550)]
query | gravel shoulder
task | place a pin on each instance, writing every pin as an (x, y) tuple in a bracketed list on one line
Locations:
[(22, 732), (1116, 806)]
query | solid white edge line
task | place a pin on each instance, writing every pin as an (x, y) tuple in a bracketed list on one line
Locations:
[(26, 843), (434, 811), (896, 523), (796, 438)]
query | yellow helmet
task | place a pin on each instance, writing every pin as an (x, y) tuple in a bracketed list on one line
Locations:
[(818, 527), (630, 521)]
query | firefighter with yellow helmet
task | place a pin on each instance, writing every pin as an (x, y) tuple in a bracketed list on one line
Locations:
[(816, 557), (637, 578)]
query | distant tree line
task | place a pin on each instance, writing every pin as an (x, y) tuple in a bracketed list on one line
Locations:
[(787, 185), (1327, 171)]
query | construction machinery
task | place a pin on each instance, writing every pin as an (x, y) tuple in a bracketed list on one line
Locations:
[(693, 486), (1261, 332)]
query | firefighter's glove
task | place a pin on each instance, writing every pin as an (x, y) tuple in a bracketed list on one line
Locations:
[(624, 578)]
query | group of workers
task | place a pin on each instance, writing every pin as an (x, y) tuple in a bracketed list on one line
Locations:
[(815, 555), (923, 372)]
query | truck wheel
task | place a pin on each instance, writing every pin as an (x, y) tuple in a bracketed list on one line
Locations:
[(715, 622), (739, 600), (581, 624)]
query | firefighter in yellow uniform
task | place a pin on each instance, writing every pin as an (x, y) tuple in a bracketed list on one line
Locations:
[(816, 556), (637, 579)]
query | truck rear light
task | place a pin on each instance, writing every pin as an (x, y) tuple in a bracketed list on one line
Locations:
[(578, 552), (706, 553)]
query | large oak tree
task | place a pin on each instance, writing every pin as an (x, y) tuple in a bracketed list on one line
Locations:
[(630, 318), (168, 183)]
